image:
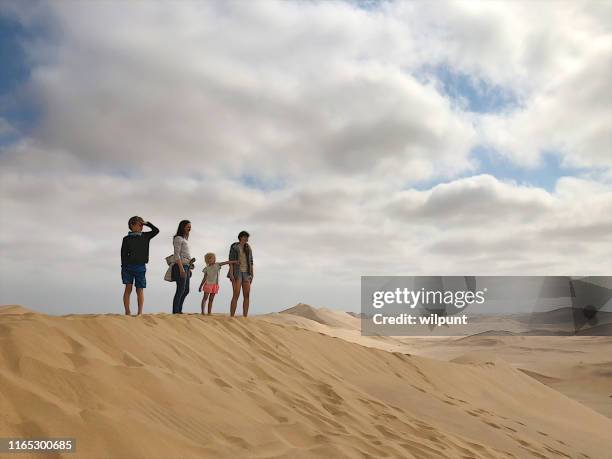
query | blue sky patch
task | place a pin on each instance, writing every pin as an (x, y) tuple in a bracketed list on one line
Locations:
[(16, 106), (255, 182), (545, 175), (470, 93), (14, 67)]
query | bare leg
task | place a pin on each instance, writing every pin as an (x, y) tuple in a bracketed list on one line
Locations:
[(126, 298), (246, 290), (140, 297), (210, 302), (204, 301), (235, 295)]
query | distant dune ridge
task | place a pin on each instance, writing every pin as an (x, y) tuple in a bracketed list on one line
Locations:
[(563, 315), (325, 316), (163, 386)]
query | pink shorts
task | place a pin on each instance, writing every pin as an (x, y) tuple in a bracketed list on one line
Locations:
[(211, 288)]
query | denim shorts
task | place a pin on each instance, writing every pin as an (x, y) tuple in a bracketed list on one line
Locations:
[(131, 274), (244, 276)]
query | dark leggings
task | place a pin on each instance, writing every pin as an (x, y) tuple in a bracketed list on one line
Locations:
[(182, 289)]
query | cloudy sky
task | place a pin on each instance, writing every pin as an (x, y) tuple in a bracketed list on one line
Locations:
[(349, 139)]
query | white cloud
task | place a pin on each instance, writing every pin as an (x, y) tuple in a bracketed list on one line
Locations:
[(310, 243), (554, 57), (478, 200), (572, 116), (162, 109), (230, 88)]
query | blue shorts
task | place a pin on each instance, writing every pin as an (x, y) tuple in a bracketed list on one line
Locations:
[(131, 274), (244, 277)]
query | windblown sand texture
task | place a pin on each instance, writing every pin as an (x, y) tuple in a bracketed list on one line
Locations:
[(162, 386)]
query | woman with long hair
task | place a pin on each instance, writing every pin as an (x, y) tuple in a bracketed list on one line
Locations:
[(241, 273), (181, 271)]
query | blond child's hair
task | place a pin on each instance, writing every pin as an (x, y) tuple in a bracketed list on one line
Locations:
[(209, 256)]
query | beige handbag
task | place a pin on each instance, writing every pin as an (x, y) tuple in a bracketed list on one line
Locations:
[(170, 261)]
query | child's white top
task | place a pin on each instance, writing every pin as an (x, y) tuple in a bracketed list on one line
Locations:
[(212, 273)]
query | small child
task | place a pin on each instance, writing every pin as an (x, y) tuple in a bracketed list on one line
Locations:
[(210, 281)]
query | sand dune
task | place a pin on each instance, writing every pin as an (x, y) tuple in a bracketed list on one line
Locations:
[(14, 309), (577, 366), (577, 363), (337, 324), (162, 386), (542, 378), (598, 330), (325, 316), (562, 316)]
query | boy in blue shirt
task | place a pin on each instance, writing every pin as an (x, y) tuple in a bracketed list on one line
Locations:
[(134, 257)]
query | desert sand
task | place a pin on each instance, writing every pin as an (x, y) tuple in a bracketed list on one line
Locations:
[(163, 386), (577, 366)]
